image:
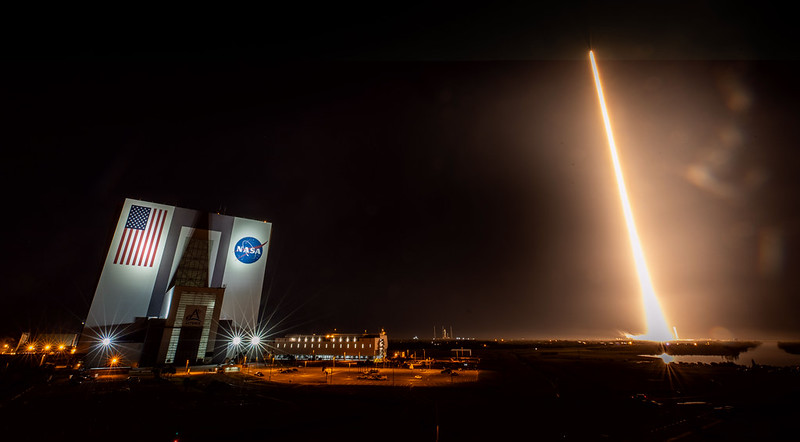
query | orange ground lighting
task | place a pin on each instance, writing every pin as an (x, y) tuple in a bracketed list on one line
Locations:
[(657, 328)]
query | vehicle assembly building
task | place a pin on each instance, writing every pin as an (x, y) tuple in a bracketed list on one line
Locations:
[(174, 280)]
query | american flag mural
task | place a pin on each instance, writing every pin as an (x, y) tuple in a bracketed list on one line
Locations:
[(139, 241)]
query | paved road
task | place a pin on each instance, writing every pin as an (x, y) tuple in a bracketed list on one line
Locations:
[(354, 376)]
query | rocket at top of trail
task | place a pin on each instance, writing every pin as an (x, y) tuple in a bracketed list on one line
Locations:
[(657, 327)]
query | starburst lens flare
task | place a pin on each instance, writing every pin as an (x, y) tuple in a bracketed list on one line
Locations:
[(657, 328)]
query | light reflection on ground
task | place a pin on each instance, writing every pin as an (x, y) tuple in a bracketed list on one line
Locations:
[(767, 353)]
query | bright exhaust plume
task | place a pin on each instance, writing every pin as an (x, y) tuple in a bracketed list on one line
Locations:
[(657, 328)]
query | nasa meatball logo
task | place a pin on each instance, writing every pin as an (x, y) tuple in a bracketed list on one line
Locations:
[(248, 250)]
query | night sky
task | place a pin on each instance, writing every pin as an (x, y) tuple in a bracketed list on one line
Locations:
[(422, 167)]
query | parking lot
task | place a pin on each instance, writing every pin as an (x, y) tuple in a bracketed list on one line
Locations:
[(360, 376)]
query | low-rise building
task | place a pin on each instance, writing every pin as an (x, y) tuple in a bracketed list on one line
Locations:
[(360, 346)]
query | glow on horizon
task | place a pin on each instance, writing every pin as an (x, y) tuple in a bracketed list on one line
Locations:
[(657, 328)]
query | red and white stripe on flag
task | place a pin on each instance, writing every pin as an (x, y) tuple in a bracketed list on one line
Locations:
[(140, 238)]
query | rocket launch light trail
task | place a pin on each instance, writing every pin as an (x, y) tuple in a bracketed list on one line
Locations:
[(657, 328)]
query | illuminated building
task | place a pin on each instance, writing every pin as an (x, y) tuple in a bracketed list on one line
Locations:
[(339, 345), (172, 277)]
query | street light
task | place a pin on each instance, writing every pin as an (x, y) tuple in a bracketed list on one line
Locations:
[(254, 341), (270, 367)]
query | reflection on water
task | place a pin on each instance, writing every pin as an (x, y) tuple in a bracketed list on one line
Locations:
[(768, 353)]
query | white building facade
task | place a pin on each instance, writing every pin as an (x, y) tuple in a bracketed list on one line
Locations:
[(216, 263)]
